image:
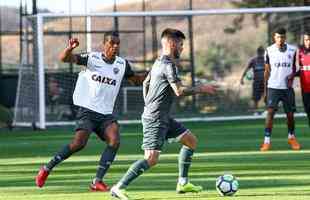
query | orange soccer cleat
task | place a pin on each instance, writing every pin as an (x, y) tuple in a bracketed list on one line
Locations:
[(265, 147), (294, 144)]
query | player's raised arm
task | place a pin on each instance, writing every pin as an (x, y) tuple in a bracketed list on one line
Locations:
[(66, 55)]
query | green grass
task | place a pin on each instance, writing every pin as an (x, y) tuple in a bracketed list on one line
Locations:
[(223, 147)]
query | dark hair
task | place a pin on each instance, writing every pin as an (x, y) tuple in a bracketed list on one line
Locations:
[(260, 50), (307, 33), (110, 34), (281, 31), (172, 34)]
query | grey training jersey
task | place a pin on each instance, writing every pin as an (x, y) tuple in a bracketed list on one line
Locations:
[(160, 95)]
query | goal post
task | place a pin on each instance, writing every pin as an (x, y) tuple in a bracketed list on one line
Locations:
[(49, 74)]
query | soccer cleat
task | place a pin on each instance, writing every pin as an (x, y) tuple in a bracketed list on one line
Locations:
[(294, 144), (42, 176), (265, 147), (188, 187), (119, 193), (99, 186)]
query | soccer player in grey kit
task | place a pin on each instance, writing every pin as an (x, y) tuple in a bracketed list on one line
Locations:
[(159, 89)]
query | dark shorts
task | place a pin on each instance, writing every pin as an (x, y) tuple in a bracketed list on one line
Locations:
[(258, 90), (156, 132), (286, 96), (306, 101), (92, 121)]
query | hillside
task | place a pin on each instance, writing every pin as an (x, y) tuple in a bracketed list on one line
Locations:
[(209, 36)]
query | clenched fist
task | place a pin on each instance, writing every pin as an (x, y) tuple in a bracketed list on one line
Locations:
[(73, 43)]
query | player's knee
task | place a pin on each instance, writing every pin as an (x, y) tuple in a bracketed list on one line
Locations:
[(152, 161), (113, 140), (115, 143), (192, 142), (151, 157), (189, 140), (77, 145)]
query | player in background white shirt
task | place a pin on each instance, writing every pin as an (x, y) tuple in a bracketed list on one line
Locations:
[(279, 75), (95, 92)]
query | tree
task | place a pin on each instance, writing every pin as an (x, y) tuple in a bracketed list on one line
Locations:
[(295, 23)]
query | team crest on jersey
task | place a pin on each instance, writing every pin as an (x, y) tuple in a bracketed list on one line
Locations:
[(115, 70)]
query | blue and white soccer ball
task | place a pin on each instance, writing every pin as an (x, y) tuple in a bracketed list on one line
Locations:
[(226, 185)]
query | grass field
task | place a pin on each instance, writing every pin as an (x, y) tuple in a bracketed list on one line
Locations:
[(223, 147)]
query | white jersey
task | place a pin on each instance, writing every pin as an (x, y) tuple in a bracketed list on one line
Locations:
[(98, 85), (281, 65)]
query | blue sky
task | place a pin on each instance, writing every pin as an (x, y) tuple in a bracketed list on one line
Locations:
[(77, 6)]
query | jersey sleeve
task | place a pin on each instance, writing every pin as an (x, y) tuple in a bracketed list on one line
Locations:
[(171, 73), (266, 58), (128, 70), (82, 59)]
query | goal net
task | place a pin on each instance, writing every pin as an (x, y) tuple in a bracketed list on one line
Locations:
[(219, 44)]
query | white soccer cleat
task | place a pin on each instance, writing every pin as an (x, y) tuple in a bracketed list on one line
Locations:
[(119, 193)]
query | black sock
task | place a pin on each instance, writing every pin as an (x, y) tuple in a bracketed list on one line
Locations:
[(59, 157), (107, 157)]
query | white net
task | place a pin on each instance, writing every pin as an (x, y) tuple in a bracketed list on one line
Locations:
[(223, 43)]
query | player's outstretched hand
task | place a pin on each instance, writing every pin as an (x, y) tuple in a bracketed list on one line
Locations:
[(73, 43), (208, 88)]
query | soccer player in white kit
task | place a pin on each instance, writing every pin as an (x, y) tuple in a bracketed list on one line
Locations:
[(279, 75), (95, 93)]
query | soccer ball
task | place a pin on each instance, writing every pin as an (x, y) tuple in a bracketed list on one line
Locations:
[(249, 75), (226, 185)]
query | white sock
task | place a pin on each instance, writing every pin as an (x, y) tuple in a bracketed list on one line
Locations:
[(290, 136), (183, 180), (267, 140)]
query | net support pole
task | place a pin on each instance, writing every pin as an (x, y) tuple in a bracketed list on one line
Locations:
[(41, 73)]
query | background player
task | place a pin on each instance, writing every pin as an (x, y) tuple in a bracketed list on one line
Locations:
[(256, 64), (159, 89), (95, 93), (303, 63), (279, 74)]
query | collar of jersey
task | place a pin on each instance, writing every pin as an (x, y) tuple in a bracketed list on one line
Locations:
[(106, 60)]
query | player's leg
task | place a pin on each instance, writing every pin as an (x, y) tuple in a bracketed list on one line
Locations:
[(153, 140), (289, 108), (79, 142), (178, 133), (256, 95), (110, 134), (84, 127), (134, 171), (273, 99), (306, 101)]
